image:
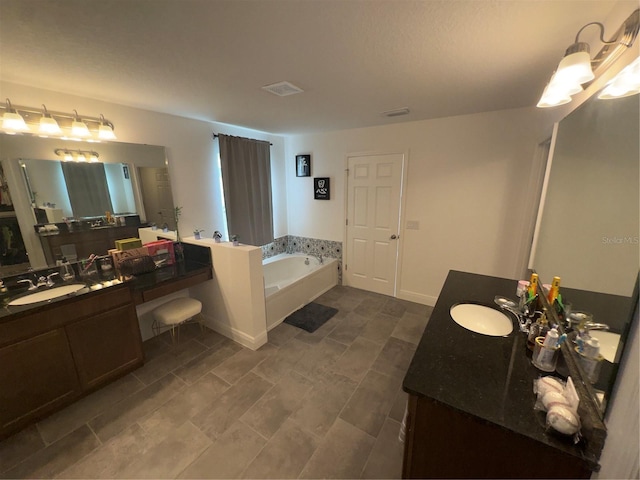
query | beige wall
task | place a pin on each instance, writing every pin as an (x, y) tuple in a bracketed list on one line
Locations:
[(190, 152), (472, 185)]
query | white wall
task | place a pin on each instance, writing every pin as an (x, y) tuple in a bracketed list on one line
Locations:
[(190, 151), (470, 179)]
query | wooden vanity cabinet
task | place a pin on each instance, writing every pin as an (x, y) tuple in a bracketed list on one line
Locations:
[(54, 354), (37, 376), (105, 346), (442, 442)]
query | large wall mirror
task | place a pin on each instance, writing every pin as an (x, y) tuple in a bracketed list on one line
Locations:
[(39, 187), (588, 226)]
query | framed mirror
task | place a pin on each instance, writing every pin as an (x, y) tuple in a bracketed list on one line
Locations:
[(44, 189), (589, 221)]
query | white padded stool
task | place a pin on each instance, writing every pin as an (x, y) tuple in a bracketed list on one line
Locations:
[(174, 313)]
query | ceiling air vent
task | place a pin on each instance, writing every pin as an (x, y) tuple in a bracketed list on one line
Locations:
[(282, 89), (396, 113)]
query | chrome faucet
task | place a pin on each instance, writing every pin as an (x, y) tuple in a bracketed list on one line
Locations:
[(49, 281), (29, 281), (320, 259)]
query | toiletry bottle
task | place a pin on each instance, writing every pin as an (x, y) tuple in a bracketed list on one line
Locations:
[(554, 290)]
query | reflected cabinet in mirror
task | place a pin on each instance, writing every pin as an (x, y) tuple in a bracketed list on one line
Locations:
[(587, 232), (47, 197)]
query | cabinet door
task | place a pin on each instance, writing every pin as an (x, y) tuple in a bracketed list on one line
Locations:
[(37, 375), (106, 346)]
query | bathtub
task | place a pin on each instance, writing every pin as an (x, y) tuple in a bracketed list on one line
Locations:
[(290, 284)]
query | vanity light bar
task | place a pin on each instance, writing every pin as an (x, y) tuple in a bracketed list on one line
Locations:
[(77, 155), (42, 122)]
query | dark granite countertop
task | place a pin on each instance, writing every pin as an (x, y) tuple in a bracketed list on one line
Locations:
[(490, 378), (99, 282)]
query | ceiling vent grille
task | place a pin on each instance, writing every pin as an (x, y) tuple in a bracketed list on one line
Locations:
[(396, 113), (282, 89)]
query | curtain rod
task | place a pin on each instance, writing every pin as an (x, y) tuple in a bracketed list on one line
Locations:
[(215, 135)]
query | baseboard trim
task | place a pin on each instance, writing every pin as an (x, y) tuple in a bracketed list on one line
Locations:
[(417, 298), (254, 343)]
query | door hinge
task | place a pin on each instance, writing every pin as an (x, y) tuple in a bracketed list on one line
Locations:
[(347, 221), (345, 266)]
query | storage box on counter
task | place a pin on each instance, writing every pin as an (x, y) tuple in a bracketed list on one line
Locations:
[(162, 250), (121, 255), (128, 244)]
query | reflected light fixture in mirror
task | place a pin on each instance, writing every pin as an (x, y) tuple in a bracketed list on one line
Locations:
[(77, 155), (626, 83), (42, 122), (577, 68)]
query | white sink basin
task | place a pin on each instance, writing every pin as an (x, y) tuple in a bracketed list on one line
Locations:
[(481, 319), (47, 294), (608, 343)]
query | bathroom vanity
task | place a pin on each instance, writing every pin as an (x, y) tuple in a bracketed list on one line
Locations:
[(53, 353), (470, 408)]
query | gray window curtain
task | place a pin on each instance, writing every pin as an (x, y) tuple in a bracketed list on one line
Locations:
[(246, 180), (87, 188)]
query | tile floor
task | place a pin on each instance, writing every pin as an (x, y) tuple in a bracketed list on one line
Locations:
[(321, 405)]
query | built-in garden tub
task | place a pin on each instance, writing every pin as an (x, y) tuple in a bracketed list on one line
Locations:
[(293, 280)]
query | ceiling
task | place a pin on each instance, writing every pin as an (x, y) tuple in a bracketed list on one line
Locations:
[(208, 59)]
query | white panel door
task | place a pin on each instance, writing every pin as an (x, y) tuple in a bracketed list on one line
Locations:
[(373, 219)]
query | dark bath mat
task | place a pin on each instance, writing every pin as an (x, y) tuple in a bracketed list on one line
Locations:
[(311, 317)]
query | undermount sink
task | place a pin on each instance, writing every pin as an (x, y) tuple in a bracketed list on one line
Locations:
[(45, 295), (608, 341), (481, 319)]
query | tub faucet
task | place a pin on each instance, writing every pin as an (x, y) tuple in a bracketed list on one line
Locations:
[(320, 259)]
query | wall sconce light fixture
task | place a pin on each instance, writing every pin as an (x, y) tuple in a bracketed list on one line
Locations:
[(577, 68), (77, 155), (45, 123)]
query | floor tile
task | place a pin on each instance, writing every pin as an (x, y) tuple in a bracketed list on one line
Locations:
[(323, 404), (394, 307), (195, 368), (410, 327), (211, 339), (282, 361), (342, 453), (399, 406), (272, 410), (313, 338), (395, 357), (19, 446), (285, 455), (170, 456), (349, 328), (52, 460), (357, 359), (385, 460), (229, 455), (371, 402), (371, 305), (319, 358), (185, 405), (231, 405), (113, 458), (124, 413), (379, 328), (281, 334), (169, 360), (236, 366), (61, 423)]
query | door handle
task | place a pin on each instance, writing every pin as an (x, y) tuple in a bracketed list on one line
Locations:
[(394, 237)]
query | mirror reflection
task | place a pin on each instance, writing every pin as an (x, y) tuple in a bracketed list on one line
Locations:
[(588, 231), (73, 190), (51, 208)]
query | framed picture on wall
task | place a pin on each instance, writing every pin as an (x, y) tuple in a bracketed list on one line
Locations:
[(303, 165), (321, 189)]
